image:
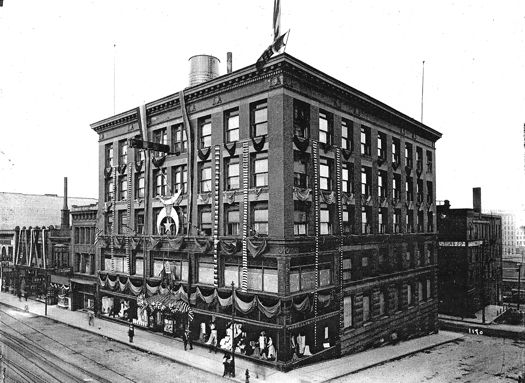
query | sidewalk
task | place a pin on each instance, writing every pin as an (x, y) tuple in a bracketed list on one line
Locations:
[(200, 357)]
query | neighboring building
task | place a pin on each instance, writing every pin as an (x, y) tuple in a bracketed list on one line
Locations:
[(39, 262), (83, 232), (509, 233), (470, 260), (314, 199)]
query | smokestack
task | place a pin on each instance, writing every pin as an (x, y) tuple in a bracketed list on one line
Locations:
[(476, 199), (64, 222), (229, 62)]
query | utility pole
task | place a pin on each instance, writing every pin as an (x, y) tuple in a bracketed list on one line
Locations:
[(233, 330), (519, 285)]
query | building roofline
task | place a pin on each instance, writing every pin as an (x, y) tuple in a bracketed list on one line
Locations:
[(251, 71), (45, 195)]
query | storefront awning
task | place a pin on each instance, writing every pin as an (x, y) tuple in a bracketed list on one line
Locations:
[(59, 279), (82, 281)]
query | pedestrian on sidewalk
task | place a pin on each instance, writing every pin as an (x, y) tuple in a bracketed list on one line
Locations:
[(227, 362), (91, 319), (131, 333), (186, 337), (212, 340)]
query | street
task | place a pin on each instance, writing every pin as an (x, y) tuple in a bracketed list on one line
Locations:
[(38, 349), (475, 358)]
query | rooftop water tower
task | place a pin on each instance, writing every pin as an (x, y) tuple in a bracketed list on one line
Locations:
[(203, 68)]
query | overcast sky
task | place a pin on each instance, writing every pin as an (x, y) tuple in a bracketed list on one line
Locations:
[(56, 76)]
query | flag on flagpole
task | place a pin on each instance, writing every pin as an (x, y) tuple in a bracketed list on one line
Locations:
[(276, 19), (271, 50)]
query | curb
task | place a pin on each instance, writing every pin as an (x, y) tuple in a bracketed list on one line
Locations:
[(132, 345)]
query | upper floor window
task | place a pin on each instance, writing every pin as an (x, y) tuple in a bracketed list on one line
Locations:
[(347, 178), (123, 152), (366, 148), (396, 150), (180, 179), (366, 219), (160, 136), (300, 171), (396, 221), (109, 155), (382, 220), (139, 155), (205, 220), (180, 141), (260, 170), (123, 188), (259, 118), (232, 173), (408, 154), (396, 186), (430, 192), (326, 123), (325, 221), (348, 219), (110, 189), (160, 181), (139, 221), (205, 131), (139, 185), (122, 221), (366, 181), (233, 220), (419, 191), (325, 174), (205, 177), (301, 119), (410, 189), (429, 161), (366, 308), (381, 183), (419, 159), (347, 128), (260, 219), (300, 218), (347, 311), (232, 125), (381, 145)]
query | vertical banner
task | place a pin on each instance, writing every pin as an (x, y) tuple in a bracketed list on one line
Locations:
[(114, 213), (128, 212), (216, 193), (315, 153), (245, 187), (338, 175)]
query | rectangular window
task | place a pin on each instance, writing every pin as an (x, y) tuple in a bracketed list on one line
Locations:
[(430, 163), (366, 308), (301, 119), (381, 303), (381, 145), (419, 191), (205, 273), (139, 221), (346, 178), (159, 176), (260, 170), (410, 189), (205, 132), (325, 224), (366, 212), (259, 119), (366, 148), (383, 220), (255, 279), (396, 151), (232, 173), (347, 128), (325, 173), (420, 296), (396, 187), (109, 155), (122, 222), (139, 185), (419, 159), (232, 221), (347, 312), (408, 155), (231, 274), (429, 289), (109, 224), (300, 171), (180, 141), (139, 266), (123, 152), (300, 215), (260, 219), (348, 219), (160, 136), (396, 219), (270, 280), (232, 125), (347, 267), (205, 220), (205, 177), (122, 188), (366, 181), (180, 179), (410, 221), (409, 295), (325, 275), (139, 155), (326, 123), (110, 189), (430, 192), (382, 184)]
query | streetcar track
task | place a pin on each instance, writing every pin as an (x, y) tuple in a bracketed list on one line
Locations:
[(87, 372)]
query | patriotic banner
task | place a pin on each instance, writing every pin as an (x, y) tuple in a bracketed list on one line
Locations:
[(276, 19), (271, 50)]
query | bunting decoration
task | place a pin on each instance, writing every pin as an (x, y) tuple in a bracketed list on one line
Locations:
[(339, 199), (315, 153), (302, 194), (204, 153), (301, 143), (258, 144), (216, 194), (346, 153), (229, 247), (245, 186), (256, 249), (230, 148)]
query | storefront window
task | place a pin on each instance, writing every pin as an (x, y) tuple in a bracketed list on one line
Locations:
[(254, 279), (139, 266), (205, 273), (231, 274)]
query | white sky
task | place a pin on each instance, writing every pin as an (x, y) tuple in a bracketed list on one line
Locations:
[(56, 76)]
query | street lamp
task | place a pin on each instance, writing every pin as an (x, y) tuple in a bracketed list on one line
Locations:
[(519, 284), (233, 332)]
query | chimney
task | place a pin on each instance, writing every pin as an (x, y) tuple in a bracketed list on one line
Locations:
[(476, 199), (64, 222), (229, 62), (447, 204)]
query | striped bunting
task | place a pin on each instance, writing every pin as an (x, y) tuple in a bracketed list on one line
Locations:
[(114, 213), (315, 153), (128, 212), (245, 186), (338, 175), (216, 193)]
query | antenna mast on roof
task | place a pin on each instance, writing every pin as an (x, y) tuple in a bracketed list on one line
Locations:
[(422, 89)]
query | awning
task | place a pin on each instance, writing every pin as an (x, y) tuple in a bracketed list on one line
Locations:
[(59, 279), (83, 281), (169, 302)]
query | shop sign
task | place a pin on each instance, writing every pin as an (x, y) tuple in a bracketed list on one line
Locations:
[(452, 244), (475, 243)]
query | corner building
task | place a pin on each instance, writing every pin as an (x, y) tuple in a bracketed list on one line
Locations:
[(314, 199)]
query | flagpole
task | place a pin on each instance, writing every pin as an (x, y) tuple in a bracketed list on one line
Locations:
[(422, 89), (286, 43), (114, 59)]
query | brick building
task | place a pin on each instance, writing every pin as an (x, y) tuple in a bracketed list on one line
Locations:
[(470, 260), (316, 200)]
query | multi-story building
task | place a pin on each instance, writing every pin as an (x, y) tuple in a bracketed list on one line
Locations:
[(84, 279), (470, 259), (316, 201), (509, 233)]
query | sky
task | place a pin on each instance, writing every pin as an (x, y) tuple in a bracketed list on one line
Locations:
[(66, 64)]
